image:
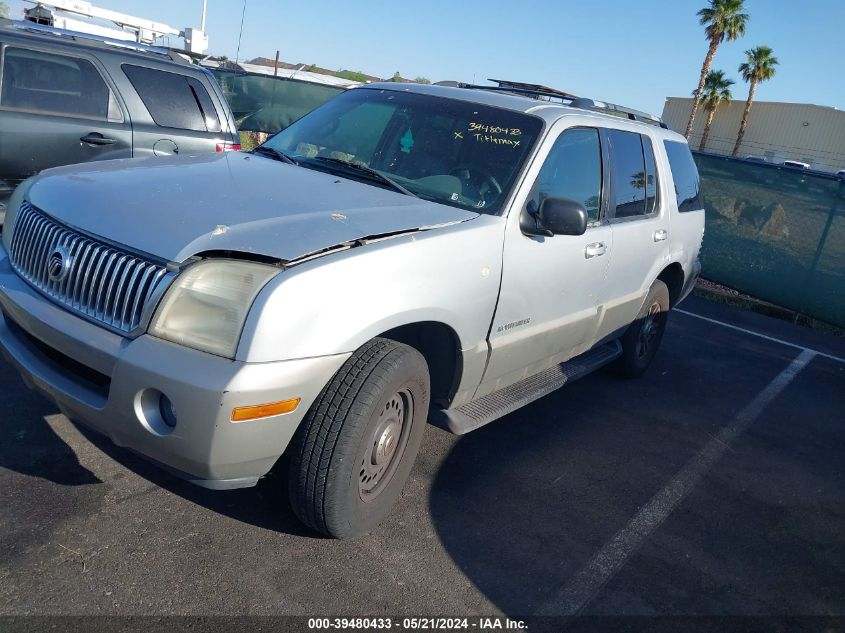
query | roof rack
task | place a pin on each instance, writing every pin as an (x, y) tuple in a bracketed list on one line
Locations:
[(34, 27), (539, 90), (544, 92), (531, 90), (617, 110)]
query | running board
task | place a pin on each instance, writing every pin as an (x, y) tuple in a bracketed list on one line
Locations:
[(477, 413)]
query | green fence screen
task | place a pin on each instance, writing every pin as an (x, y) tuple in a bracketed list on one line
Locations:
[(262, 103), (775, 233)]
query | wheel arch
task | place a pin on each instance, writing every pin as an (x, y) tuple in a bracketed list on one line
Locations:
[(673, 276), (440, 345)]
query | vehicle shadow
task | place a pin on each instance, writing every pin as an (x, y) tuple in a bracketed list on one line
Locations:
[(30, 446), (523, 504), (264, 505)]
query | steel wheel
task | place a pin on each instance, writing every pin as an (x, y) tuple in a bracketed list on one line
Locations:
[(356, 446), (649, 330), (385, 445)]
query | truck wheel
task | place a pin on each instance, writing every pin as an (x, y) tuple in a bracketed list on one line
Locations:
[(355, 448), (642, 339)]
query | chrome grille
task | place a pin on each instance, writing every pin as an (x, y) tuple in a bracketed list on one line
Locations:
[(100, 282)]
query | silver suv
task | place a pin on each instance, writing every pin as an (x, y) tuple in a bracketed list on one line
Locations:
[(401, 254)]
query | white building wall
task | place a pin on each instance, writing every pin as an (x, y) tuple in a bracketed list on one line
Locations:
[(778, 131)]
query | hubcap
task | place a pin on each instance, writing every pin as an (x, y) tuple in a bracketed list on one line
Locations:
[(385, 445), (649, 330)]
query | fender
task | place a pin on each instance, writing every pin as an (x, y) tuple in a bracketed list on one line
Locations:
[(336, 303)]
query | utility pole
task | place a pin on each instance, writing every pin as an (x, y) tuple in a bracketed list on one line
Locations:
[(276, 65)]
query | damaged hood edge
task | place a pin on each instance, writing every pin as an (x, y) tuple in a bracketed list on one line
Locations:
[(176, 208)]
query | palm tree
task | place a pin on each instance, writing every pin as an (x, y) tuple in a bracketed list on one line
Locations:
[(717, 90), (638, 180), (722, 20), (759, 65)]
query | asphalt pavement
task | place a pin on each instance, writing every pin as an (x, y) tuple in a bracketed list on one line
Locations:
[(712, 486)]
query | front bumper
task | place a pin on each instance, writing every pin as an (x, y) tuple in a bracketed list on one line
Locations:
[(99, 379)]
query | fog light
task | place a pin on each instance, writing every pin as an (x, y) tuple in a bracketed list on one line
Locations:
[(167, 410), (155, 411)]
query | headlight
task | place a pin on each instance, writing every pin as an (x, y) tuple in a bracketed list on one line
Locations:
[(207, 305)]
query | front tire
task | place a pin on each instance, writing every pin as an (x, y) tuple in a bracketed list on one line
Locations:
[(355, 448), (642, 339)]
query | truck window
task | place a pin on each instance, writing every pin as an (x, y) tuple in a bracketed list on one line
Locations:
[(573, 170), (459, 153), (685, 176), (34, 81), (174, 100), (628, 173)]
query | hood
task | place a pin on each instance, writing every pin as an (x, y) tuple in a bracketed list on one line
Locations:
[(174, 208)]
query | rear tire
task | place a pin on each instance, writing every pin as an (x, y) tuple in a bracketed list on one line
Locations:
[(642, 338), (355, 448)]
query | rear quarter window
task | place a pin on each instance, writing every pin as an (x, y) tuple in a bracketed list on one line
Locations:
[(174, 100), (685, 176)]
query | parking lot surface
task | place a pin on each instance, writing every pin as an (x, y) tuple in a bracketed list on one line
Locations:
[(714, 485)]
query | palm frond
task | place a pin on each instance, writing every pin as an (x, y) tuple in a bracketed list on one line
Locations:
[(759, 64), (724, 20), (717, 90)]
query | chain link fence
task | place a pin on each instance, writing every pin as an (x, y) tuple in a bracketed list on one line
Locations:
[(775, 233)]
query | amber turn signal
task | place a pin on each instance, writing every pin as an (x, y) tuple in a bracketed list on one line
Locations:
[(255, 412)]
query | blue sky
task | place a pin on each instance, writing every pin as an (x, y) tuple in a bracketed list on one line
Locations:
[(632, 53)]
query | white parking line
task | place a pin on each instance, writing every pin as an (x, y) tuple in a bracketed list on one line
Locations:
[(584, 585), (759, 335)]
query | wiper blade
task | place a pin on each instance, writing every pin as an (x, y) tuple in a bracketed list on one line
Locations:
[(369, 171), (274, 153)]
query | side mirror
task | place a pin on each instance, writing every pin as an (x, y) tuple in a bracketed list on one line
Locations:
[(556, 216)]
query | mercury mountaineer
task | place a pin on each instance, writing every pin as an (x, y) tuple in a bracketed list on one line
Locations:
[(402, 254)]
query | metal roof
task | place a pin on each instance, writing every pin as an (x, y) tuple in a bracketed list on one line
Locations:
[(295, 73)]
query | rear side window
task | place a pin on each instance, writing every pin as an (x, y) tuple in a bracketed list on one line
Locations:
[(174, 100), (35, 81), (685, 175), (628, 172)]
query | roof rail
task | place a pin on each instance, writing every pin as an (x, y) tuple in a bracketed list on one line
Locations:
[(621, 111), (34, 27), (539, 92)]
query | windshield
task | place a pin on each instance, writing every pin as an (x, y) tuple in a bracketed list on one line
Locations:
[(454, 152)]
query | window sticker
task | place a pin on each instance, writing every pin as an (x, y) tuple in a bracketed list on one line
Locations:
[(494, 134)]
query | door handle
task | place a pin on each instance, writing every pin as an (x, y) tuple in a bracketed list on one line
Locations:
[(660, 235), (595, 249), (95, 138)]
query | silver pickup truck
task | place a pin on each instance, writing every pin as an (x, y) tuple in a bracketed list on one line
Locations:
[(402, 254)]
